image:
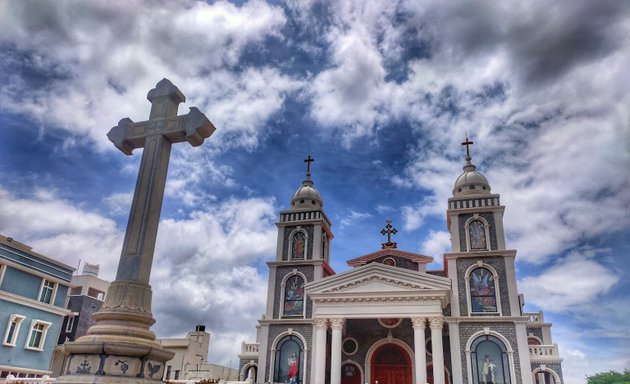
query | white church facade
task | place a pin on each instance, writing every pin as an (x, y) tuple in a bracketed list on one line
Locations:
[(389, 320)]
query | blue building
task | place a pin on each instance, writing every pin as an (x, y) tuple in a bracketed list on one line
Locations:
[(33, 290)]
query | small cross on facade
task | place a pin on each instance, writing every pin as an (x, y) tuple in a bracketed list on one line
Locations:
[(467, 143), (308, 162), (389, 231)]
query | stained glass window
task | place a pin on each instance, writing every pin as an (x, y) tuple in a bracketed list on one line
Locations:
[(294, 296), (289, 355), (489, 361), (477, 235), (482, 293)]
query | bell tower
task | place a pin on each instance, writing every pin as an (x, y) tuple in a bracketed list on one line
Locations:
[(302, 256), (475, 223)]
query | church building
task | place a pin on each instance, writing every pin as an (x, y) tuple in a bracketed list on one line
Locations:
[(389, 320)]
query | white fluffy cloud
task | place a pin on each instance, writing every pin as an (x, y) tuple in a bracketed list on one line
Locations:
[(100, 65), (436, 244), (574, 280), (61, 230)]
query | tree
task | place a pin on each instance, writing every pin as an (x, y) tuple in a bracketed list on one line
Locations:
[(610, 377)]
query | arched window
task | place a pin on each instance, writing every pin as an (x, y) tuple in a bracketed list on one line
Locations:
[(490, 361), (294, 296), (477, 235), (288, 360), (298, 245), (482, 291), (324, 247)]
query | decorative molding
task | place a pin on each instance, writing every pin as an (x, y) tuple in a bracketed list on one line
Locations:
[(387, 280)]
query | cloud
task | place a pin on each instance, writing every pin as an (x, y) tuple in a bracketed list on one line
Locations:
[(575, 279), (352, 218), (60, 230), (85, 75), (119, 203), (436, 244)]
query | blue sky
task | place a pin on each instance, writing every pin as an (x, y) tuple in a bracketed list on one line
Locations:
[(381, 93)]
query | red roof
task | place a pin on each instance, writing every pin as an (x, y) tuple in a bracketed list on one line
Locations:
[(415, 257)]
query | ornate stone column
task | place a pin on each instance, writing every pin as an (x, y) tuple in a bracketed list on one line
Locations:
[(335, 351), (319, 370), (437, 349), (419, 342)]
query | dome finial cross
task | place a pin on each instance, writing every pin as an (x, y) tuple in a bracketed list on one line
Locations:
[(467, 143), (308, 162)]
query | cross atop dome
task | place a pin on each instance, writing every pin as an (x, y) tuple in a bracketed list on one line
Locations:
[(308, 162), (467, 143)]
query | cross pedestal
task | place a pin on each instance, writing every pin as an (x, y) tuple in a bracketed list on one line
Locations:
[(120, 347)]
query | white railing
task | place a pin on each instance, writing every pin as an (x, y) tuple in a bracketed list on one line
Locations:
[(249, 348), (544, 352), (28, 380), (535, 317)]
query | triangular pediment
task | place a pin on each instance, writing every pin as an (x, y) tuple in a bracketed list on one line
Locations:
[(378, 279)]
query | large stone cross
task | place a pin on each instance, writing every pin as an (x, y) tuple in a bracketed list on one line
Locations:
[(122, 326), (156, 135)]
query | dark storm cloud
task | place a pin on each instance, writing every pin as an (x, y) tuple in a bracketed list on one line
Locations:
[(543, 41)]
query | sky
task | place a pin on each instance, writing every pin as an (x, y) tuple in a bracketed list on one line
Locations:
[(380, 93)]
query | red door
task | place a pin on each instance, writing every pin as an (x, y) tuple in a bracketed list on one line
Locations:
[(391, 365)]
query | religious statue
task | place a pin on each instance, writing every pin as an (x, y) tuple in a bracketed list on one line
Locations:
[(489, 370), (477, 235), (298, 246), (293, 369)]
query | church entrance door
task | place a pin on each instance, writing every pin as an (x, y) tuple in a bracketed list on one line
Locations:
[(391, 365)]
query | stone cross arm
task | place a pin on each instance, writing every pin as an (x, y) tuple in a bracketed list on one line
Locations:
[(193, 127)]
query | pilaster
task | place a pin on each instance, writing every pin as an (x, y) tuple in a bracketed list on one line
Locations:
[(436, 324)]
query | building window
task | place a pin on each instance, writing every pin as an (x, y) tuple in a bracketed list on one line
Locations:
[(294, 296), (168, 372), (13, 328), (70, 324), (482, 291), (288, 359), (477, 235), (47, 292), (298, 245), (37, 335), (489, 361), (176, 375)]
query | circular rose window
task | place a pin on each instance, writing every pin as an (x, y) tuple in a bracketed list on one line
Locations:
[(350, 346)]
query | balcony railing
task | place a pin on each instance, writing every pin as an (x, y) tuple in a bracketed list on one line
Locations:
[(544, 353), (535, 317), (249, 350)]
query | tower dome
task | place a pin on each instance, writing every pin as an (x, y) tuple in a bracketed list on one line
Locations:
[(307, 196), (470, 182)]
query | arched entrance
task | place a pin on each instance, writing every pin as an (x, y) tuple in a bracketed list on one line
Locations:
[(391, 365), (350, 374)]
